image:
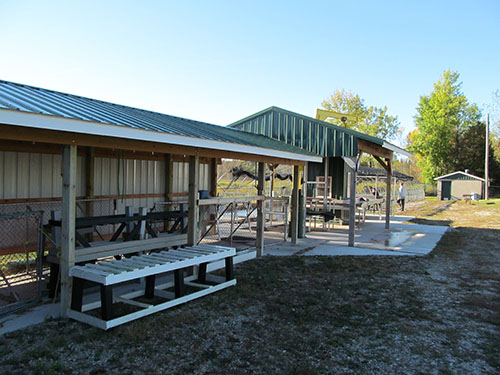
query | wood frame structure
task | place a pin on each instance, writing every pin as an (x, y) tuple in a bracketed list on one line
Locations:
[(81, 131)]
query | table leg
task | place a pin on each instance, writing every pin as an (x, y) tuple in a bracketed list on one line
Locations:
[(179, 283), (106, 301), (77, 294), (229, 269), (150, 286), (202, 273)]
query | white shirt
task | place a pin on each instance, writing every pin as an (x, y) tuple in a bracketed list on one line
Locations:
[(402, 192)]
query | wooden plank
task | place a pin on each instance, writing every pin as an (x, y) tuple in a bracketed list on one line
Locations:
[(374, 149), (169, 177), (193, 201), (211, 201), (68, 225), (132, 302)]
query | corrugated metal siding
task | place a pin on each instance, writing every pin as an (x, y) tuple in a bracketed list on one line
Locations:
[(308, 134), (33, 175)]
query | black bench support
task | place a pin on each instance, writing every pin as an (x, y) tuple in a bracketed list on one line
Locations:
[(229, 269), (179, 283), (106, 301), (77, 294), (202, 273), (150, 287)]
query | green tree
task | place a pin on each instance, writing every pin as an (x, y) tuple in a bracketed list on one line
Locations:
[(443, 117), (371, 120)]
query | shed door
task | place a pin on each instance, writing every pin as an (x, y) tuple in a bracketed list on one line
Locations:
[(445, 190)]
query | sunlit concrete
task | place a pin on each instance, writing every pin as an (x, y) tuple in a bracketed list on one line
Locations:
[(371, 238)]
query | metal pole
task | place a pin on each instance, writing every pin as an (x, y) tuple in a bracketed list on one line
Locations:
[(487, 154)]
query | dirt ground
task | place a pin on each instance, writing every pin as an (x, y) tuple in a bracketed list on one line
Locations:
[(438, 314)]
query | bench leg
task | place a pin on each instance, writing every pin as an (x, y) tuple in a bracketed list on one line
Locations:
[(179, 283), (106, 301), (54, 273), (202, 273), (150, 286), (77, 294), (229, 269)]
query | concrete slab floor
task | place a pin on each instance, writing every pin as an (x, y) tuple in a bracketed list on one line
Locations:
[(371, 238)]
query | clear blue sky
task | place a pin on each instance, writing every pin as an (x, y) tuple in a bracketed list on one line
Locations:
[(219, 61)]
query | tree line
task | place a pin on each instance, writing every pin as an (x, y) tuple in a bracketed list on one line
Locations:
[(449, 136)]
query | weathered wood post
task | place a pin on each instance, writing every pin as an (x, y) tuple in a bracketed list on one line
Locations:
[(295, 205), (260, 210), (325, 186), (68, 215), (193, 201), (352, 207), (388, 194)]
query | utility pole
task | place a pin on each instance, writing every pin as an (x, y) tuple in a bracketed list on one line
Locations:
[(487, 154)]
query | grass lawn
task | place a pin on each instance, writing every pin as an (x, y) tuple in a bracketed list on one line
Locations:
[(438, 314)]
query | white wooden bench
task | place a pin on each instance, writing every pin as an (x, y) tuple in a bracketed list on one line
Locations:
[(110, 273), (105, 249)]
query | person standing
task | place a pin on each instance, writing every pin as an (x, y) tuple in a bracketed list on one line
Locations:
[(402, 196)]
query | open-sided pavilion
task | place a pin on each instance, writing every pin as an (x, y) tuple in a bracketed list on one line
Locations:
[(35, 121), (340, 149)]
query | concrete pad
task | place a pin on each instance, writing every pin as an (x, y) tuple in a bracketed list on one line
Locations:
[(26, 318), (371, 238)]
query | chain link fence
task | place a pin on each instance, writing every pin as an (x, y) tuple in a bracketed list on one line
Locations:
[(22, 267), (20, 258)]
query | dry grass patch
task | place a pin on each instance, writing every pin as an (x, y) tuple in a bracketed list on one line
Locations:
[(436, 314)]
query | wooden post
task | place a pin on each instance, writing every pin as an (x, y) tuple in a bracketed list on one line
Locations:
[(193, 201), (68, 224), (89, 176), (169, 177), (260, 211), (213, 177), (352, 207), (325, 186), (304, 193), (295, 205), (388, 194)]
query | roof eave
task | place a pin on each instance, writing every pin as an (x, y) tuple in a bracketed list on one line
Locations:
[(49, 122)]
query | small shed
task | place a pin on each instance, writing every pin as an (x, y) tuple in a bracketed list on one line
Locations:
[(457, 184)]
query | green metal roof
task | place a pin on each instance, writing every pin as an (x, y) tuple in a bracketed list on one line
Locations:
[(24, 98), (458, 175), (316, 136)]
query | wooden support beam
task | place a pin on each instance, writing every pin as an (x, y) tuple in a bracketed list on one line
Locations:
[(388, 194), (260, 210), (193, 201), (374, 149), (325, 186), (11, 132), (213, 177), (387, 165), (169, 177), (295, 205), (352, 207), (304, 200), (68, 216), (89, 177)]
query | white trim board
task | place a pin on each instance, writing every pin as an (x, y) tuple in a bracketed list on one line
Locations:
[(47, 122)]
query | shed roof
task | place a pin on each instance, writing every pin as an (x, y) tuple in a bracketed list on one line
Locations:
[(378, 172), (458, 175), (91, 116), (319, 137)]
